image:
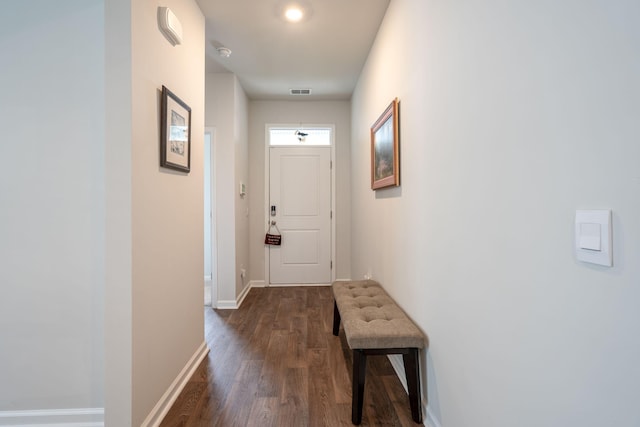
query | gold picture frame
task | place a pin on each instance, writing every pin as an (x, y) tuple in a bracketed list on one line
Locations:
[(385, 159)]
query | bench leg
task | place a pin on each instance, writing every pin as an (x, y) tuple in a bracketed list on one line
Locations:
[(336, 319), (359, 369), (412, 370)]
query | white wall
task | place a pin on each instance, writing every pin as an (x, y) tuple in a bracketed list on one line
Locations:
[(52, 188), (513, 115), (227, 112), (208, 229), (167, 206), (87, 257), (262, 113), (241, 143), (118, 263)]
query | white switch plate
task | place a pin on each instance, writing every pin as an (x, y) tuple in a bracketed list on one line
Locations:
[(593, 241)]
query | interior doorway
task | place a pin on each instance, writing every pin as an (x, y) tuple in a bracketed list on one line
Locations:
[(210, 270), (300, 206), (300, 199)]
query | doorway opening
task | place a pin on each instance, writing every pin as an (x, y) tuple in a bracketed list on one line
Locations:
[(300, 201), (210, 258)]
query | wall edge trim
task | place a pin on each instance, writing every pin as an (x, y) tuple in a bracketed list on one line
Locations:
[(169, 397), (398, 365), (258, 284), (243, 294), (295, 285), (73, 417), (226, 305)]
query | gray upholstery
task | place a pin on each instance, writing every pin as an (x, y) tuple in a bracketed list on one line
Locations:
[(371, 319)]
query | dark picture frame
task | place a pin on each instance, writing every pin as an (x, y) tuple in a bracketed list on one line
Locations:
[(385, 162), (175, 132)]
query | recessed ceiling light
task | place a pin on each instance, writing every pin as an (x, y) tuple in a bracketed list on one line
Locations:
[(293, 14), (294, 11)]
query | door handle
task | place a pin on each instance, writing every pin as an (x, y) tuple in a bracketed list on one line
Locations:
[(273, 210)]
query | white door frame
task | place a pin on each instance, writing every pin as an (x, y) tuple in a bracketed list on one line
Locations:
[(267, 176), (214, 240)]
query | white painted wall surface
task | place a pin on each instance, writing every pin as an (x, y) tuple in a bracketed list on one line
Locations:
[(118, 264), (167, 206), (219, 95), (241, 144), (513, 115), (262, 113), (227, 112), (208, 141), (52, 188), (78, 258)]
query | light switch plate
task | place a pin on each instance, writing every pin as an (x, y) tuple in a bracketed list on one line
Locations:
[(593, 240)]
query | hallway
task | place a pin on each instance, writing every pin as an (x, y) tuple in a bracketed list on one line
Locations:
[(275, 362)]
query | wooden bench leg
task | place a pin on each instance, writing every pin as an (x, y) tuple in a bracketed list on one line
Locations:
[(412, 370), (359, 370), (336, 319)]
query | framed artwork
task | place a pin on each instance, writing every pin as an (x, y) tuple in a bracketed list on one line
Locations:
[(175, 132), (385, 162)]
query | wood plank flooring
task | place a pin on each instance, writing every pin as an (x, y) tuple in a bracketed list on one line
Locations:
[(275, 362)]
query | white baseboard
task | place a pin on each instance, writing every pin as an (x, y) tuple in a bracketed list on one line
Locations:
[(235, 304), (227, 304), (243, 294), (398, 366), (431, 420), (258, 283), (291, 285), (81, 417), (169, 397)]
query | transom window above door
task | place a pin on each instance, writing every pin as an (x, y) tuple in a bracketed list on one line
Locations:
[(307, 136)]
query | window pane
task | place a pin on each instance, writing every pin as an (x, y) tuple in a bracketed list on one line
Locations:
[(293, 136)]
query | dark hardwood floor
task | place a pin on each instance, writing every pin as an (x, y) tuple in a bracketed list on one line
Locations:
[(275, 362)]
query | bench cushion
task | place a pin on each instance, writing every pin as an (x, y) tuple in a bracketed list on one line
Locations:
[(371, 319)]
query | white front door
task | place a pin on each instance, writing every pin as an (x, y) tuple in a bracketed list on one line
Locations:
[(300, 204)]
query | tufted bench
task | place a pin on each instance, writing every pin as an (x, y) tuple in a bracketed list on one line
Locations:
[(373, 325)]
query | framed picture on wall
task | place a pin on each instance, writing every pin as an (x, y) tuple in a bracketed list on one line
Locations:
[(175, 132), (385, 162)]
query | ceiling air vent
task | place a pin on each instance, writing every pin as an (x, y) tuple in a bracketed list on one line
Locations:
[(300, 91)]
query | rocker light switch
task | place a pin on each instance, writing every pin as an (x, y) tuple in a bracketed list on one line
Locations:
[(593, 237), (590, 236)]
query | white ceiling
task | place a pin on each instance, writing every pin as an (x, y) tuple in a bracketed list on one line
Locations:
[(270, 56)]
